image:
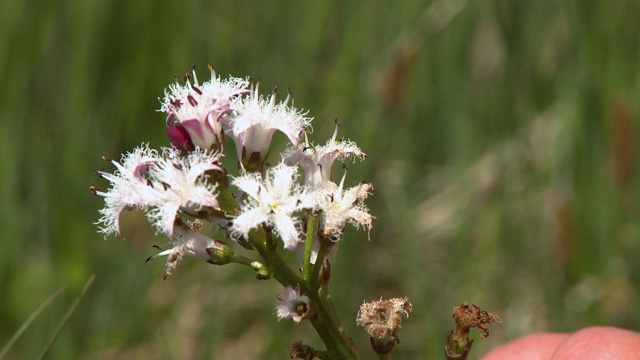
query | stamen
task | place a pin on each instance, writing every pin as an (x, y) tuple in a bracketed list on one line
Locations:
[(195, 78), (286, 101), (335, 131)]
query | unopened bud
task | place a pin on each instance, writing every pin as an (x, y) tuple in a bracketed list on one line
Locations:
[(220, 254), (180, 138)]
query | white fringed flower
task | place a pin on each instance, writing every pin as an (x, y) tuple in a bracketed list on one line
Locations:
[(293, 305), (129, 188), (186, 241), (255, 120), (317, 161), (340, 206), (199, 109), (271, 201), (159, 184)]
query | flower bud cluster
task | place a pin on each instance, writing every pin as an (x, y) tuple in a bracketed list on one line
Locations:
[(188, 181)]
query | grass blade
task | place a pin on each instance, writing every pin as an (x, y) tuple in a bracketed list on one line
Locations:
[(28, 322), (66, 317)]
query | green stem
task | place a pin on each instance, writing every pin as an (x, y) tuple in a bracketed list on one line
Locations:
[(243, 260), (322, 253), (338, 344), (276, 264), (336, 341), (326, 298), (308, 249)]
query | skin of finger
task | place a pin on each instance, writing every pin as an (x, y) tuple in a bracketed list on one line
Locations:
[(531, 347), (599, 343)]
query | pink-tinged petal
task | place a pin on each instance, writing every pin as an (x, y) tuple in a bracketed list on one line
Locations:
[(198, 132), (254, 121), (203, 103)]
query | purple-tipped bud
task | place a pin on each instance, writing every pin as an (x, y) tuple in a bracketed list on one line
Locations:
[(180, 138), (202, 109)]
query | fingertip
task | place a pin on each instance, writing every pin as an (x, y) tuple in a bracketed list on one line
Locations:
[(530, 347), (600, 342)]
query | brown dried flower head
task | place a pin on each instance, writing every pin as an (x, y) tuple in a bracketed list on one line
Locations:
[(458, 345), (468, 316), (383, 318)]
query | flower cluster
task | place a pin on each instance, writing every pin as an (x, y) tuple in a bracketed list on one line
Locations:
[(161, 183), (185, 185)]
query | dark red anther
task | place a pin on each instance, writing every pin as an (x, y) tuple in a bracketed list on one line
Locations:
[(192, 100)]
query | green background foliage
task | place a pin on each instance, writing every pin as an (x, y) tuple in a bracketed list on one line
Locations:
[(502, 142)]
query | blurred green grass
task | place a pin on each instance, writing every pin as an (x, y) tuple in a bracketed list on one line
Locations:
[(502, 143)]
